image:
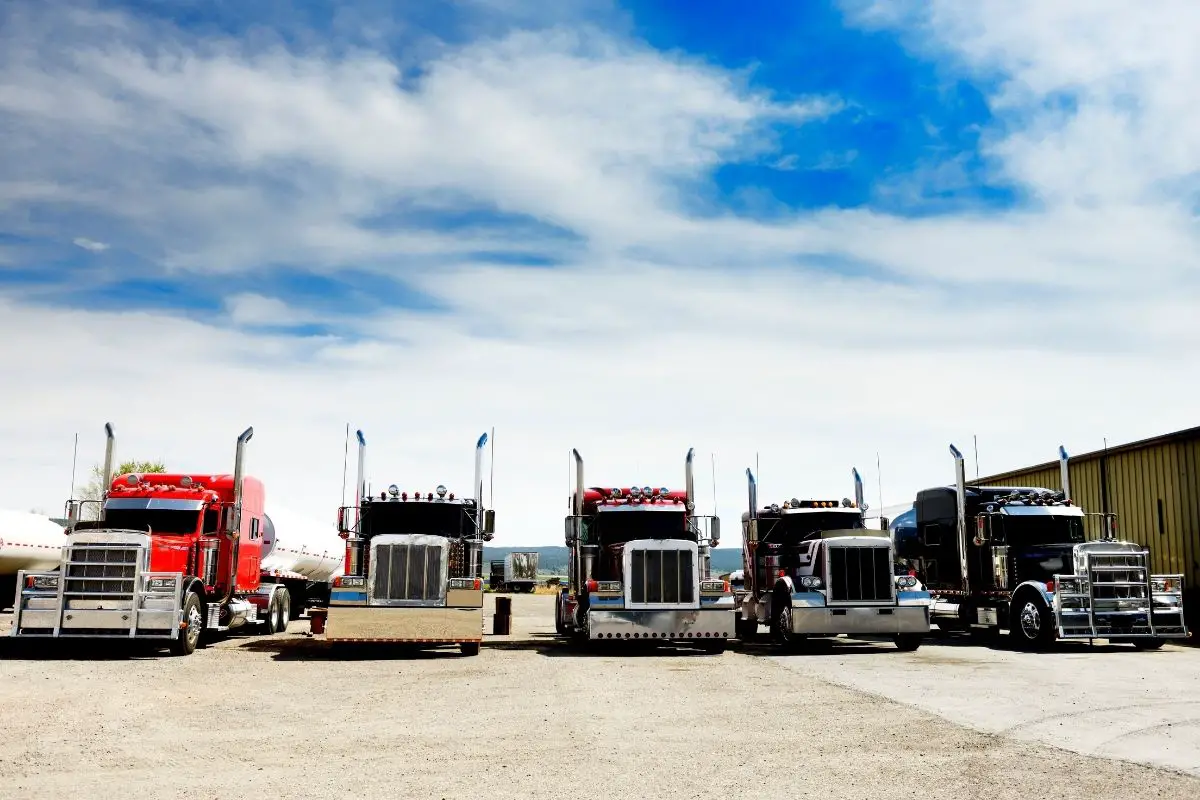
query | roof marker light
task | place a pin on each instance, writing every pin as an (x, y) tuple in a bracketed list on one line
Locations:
[(394, 490), (441, 490)]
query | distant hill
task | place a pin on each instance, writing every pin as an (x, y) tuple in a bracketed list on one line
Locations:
[(553, 560)]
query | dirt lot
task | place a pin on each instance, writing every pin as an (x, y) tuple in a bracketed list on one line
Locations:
[(284, 717)]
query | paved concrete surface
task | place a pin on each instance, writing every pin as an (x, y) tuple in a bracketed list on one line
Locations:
[(286, 717), (1109, 700)]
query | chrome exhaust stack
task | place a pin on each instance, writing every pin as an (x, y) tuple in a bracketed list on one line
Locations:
[(752, 487), (1063, 458), (239, 460), (478, 488), (360, 489), (960, 489), (690, 480), (577, 501)]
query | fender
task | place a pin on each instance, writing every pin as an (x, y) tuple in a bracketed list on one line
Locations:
[(1040, 586)]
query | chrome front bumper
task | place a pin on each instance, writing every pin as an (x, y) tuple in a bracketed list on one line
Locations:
[(863, 620), (402, 624), (45, 613), (661, 624)]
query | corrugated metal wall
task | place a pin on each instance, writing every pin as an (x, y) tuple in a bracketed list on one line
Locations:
[(1153, 489)]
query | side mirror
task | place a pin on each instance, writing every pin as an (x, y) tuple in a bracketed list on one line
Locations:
[(72, 513), (752, 530), (569, 532), (884, 523), (341, 521), (714, 531), (489, 521)]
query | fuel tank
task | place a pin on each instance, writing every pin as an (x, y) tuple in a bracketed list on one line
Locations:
[(29, 541), (294, 542)]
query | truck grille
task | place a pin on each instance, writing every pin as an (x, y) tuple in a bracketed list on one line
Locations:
[(662, 576), (860, 574), (1117, 579), (407, 572), (101, 571)]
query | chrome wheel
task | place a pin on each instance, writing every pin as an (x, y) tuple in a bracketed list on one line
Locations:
[(1031, 621), (194, 624)]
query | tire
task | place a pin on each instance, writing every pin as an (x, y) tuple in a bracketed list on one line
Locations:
[(469, 648), (189, 635), (1148, 644), (560, 622), (1032, 624), (272, 619), (285, 610), (781, 627), (908, 642)]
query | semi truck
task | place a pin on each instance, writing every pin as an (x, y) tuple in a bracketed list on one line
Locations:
[(1019, 558), (812, 569), (172, 557), (639, 567), (413, 565), (28, 542), (516, 573)]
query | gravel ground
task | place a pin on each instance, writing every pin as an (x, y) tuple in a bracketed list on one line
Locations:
[(281, 716)]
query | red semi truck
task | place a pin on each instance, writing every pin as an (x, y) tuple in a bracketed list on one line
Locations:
[(170, 557)]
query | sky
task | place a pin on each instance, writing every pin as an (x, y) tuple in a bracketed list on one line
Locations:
[(809, 236)]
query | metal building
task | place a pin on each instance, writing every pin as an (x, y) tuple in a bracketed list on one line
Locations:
[(1153, 486)]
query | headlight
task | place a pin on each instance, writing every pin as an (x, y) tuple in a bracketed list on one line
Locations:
[(614, 587), (906, 581), (42, 582), (353, 581), (810, 582), (464, 583), (160, 584)]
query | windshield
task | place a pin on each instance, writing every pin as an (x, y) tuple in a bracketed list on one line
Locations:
[(434, 519), (796, 528), (617, 527), (155, 520), (1047, 529)]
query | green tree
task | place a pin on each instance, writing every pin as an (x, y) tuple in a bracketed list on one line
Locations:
[(94, 489)]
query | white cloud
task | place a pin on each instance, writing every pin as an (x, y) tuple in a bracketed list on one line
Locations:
[(90, 244), (1059, 323)]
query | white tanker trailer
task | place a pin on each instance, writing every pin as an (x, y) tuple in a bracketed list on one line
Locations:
[(303, 554), (27, 541)]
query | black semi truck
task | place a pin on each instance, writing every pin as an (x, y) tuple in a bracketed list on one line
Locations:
[(1018, 558)]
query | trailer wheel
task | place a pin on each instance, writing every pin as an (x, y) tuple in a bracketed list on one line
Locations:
[(908, 642), (469, 648), (1032, 624), (193, 623), (285, 610)]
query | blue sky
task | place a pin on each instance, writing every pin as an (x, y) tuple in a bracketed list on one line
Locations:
[(769, 228)]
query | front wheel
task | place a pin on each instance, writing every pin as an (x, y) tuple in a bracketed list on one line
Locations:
[(782, 628), (193, 623), (1032, 623), (469, 648), (908, 642), (560, 615)]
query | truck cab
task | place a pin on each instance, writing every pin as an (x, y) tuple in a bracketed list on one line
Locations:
[(639, 567), (170, 555), (1029, 560), (813, 569), (413, 570)]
